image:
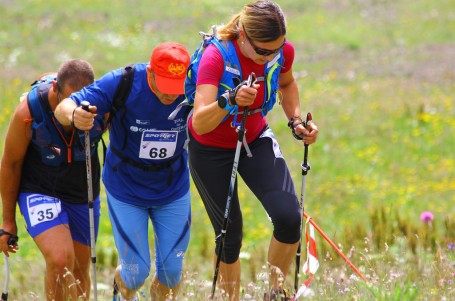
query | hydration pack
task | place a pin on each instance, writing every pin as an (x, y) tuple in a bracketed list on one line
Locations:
[(48, 135), (232, 72)]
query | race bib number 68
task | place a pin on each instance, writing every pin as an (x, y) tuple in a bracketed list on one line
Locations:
[(157, 145)]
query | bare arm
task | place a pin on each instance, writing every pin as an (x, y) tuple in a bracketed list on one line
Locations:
[(17, 142), (207, 115), (68, 113), (291, 106)]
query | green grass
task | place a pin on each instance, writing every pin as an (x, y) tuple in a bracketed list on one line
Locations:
[(377, 76)]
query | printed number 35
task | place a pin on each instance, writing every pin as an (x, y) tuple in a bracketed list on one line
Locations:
[(48, 214)]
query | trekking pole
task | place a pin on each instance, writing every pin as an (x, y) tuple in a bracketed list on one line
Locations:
[(115, 290), (336, 248), (305, 168), (88, 163), (6, 283), (6, 273), (11, 242), (241, 133)]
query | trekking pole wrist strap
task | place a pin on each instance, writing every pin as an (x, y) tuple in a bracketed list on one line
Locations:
[(72, 118), (293, 118), (233, 92), (12, 238), (293, 125)]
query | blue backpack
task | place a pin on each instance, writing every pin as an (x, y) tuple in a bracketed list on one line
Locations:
[(47, 134), (232, 74)]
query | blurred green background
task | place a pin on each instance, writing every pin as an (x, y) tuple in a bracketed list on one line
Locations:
[(377, 75)]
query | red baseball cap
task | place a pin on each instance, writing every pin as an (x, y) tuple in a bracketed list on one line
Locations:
[(169, 61)]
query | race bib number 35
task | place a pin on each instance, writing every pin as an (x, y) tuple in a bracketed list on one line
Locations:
[(42, 208), (158, 145)]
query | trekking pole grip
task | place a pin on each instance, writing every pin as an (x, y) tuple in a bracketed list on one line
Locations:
[(85, 105), (305, 165)]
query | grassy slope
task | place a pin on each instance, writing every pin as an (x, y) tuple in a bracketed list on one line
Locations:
[(377, 76)]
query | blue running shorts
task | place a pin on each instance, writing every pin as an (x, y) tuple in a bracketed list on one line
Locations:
[(171, 227), (42, 212)]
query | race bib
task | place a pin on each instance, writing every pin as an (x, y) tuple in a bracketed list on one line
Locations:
[(158, 145), (42, 208)]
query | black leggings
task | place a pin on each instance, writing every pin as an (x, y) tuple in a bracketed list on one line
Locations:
[(266, 174)]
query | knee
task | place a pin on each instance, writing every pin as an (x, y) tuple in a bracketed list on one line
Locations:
[(286, 216), (133, 275), (58, 263), (169, 277), (169, 270), (288, 230)]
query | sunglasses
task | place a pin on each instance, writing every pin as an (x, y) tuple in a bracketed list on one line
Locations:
[(262, 51)]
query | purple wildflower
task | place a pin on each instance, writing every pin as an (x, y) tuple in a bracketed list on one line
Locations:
[(451, 246), (426, 217)]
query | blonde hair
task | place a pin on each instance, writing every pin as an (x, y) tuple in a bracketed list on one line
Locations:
[(262, 20)]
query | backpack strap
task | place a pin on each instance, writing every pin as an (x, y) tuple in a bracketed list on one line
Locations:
[(37, 99), (120, 97), (122, 92), (118, 103), (40, 95)]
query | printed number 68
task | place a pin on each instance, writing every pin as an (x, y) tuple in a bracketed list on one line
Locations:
[(154, 152)]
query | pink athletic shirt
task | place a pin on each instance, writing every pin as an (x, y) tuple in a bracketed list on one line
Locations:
[(211, 71)]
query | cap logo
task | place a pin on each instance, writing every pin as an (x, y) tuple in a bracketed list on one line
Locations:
[(176, 69)]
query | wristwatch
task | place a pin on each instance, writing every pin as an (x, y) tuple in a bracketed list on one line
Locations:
[(223, 102)]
